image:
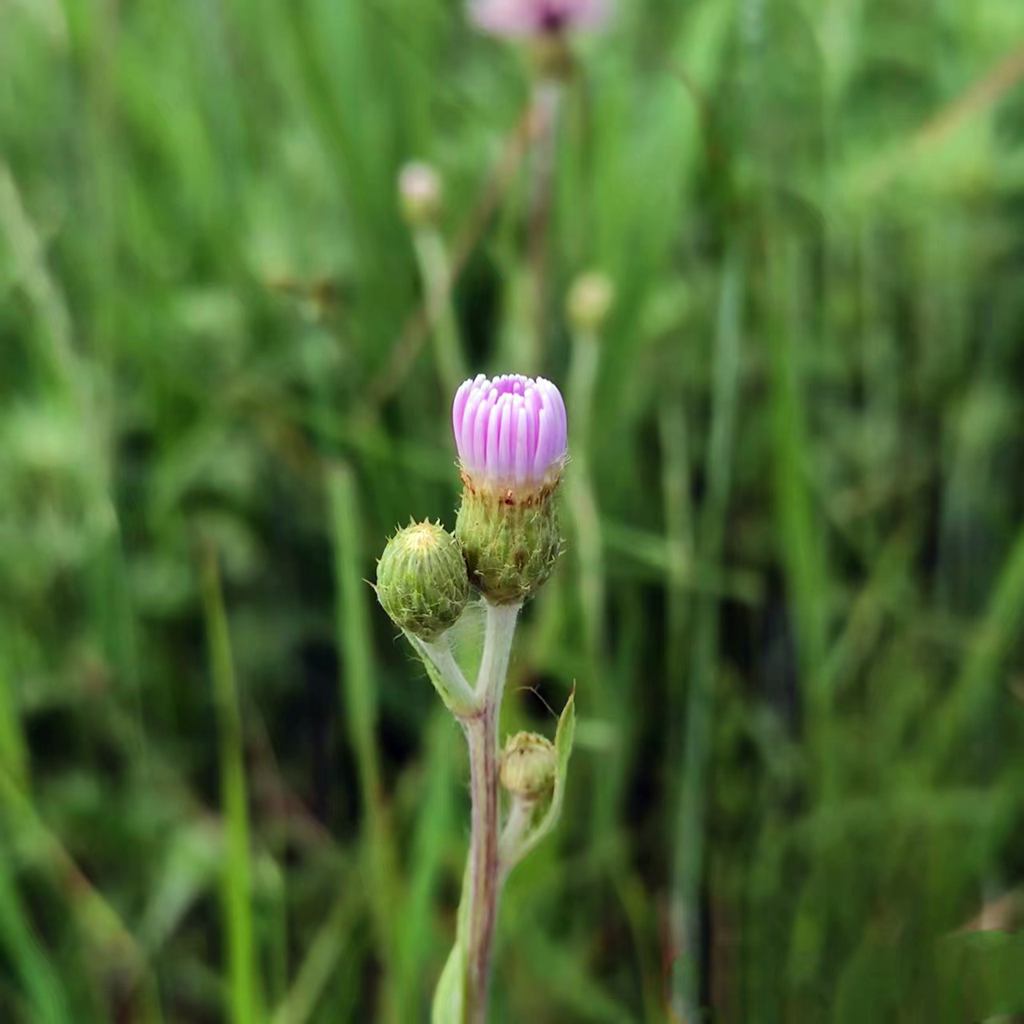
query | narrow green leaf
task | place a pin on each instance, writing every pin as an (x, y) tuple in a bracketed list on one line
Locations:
[(449, 996), (43, 985), (243, 987)]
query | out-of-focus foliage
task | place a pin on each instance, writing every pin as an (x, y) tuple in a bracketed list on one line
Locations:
[(793, 592)]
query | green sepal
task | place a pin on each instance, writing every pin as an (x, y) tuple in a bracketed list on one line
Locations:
[(510, 541)]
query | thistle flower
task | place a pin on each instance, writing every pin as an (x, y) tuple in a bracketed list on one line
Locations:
[(421, 580), (525, 19), (511, 437)]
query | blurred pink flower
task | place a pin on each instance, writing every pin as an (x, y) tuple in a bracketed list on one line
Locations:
[(517, 19), (510, 431)]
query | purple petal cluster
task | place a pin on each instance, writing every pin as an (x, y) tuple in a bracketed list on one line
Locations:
[(516, 19), (510, 431)]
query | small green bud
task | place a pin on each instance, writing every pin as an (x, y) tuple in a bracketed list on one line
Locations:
[(421, 580), (590, 301), (528, 765), (511, 539)]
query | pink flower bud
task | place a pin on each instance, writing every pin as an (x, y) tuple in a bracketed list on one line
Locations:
[(510, 432)]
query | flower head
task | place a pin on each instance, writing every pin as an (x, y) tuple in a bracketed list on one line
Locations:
[(511, 436), (522, 19), (510, 432)]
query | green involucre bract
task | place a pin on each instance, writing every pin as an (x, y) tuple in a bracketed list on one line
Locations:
[(511, 540)]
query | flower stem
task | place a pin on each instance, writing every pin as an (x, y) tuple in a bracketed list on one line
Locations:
[(481, 735), (500, 628), (510, 846), (547, 101), (432, 258), (483, 879)]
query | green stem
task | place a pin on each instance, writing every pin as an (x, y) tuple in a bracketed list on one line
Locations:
[(547, 101), (582, 380), (456, 693), (437, 285), (499, 631), (511, 846), (483, 878)]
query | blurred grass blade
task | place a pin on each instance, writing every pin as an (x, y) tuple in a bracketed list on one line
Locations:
[(190, 867), (994, 638), (433, 827), (359, 700), (104, 931), (799, 537), (41, 981), (333, 950), (13, 755), (243, 1000), (691, 822)]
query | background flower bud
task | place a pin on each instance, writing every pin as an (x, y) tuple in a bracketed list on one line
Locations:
[(528, 765), (420, 192), (421, 580), (590, 301), (524, 19)]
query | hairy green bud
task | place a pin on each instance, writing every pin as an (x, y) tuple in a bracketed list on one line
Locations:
[(510, 539), (421, 580), (528, 765)]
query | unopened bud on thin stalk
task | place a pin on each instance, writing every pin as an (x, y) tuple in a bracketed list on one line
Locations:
[(421, 580), (590, 301), (528, 766), (511, 436), (420, 193)]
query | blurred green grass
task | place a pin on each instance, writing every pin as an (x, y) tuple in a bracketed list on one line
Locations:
[(794, 622)]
